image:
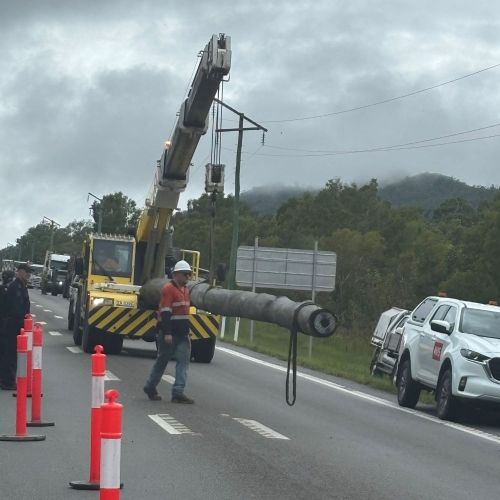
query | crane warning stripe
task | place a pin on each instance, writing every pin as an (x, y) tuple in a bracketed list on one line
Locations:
[(112, 315), (122, 320), (137, 322), (203, 326)]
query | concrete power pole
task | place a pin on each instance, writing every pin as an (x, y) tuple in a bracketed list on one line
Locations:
[(236, 209)]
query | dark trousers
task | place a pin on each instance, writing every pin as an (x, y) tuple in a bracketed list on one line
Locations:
[(8, 351)]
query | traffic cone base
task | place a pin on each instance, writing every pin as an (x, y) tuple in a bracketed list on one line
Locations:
[(84, 485), (22, 438), (40, 424)]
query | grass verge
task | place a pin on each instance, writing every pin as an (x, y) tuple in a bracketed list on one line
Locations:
[(344, 355)]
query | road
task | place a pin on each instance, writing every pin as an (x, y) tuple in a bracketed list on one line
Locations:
[(241, 440)]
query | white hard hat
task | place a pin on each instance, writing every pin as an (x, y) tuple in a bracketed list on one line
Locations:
[(182, 266)]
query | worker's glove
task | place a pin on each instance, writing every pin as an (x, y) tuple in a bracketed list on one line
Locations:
[(168, 339)]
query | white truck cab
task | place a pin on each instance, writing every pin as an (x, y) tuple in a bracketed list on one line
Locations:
[(451, 347)]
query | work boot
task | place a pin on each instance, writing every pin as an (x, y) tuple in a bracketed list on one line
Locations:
[(152, 394), (182, 398)]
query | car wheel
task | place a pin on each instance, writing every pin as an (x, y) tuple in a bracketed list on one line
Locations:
[(90, 338), (447, 403), (373, 362), (408, 389), (202, 351), (77, 331), (71, 316)]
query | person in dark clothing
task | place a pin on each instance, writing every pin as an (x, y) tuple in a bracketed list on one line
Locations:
[(16, 306), (7, 277)]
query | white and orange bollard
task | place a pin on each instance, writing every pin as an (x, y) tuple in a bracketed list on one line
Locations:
[(28, 330), (98, 373), (36, 388), (21, 395), (111, 440)]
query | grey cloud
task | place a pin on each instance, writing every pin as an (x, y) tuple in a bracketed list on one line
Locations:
[(71, 134)]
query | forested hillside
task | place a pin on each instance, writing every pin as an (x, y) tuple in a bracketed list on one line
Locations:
[(426, 191), (387, 256)]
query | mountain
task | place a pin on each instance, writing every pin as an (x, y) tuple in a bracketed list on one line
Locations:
[(426, 191), (265, 200), (429, 190)]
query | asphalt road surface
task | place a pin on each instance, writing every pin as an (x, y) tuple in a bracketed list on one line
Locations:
[(241, 440)]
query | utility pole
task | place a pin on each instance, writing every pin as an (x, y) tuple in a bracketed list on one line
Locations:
[(52, 224), (236, 209), (99, 211)]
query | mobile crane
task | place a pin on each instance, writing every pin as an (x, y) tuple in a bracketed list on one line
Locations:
[(105, 305)]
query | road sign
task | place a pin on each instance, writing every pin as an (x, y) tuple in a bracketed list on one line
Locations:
[(285, 268)]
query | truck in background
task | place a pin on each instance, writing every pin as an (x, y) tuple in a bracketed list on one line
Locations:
[(54, 273)]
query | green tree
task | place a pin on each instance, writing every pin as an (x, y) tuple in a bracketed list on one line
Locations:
[(119, 213)]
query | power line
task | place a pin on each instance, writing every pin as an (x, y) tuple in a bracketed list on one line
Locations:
[(383, 148), (373, 150), (384, 101)]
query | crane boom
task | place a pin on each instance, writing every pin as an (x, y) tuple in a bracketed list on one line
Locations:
[(172, 169)]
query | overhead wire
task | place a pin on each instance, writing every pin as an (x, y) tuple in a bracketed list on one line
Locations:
[(285, 148), (383, 101), (371, 150)]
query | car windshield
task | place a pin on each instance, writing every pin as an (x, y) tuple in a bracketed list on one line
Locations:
[(112, 258), (481, 322)]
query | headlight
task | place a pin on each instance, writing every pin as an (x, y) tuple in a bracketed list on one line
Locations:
[(100, 301), (60, 283), (473, 356)]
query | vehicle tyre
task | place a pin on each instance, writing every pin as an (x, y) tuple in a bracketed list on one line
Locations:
[(77, 331), (408, 389), (447, 403), (202, 351), (112, 343), (71, 316), (373, 362), (90, 338), (54, 294)]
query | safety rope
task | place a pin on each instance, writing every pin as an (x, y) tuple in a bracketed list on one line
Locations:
[(292, 355)]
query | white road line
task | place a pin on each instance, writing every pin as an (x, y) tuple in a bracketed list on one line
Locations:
[(169, 379), (169, 424), (261, 429), (58, 317), (41, 322), (362, 395), (74, 349), (33, 315), (38, 305), (47, 311), (110, 376), (55, 334)]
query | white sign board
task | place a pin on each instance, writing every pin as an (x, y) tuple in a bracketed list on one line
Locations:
[(285, 268)]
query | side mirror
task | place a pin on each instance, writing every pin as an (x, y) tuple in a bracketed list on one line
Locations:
[(441, 326)]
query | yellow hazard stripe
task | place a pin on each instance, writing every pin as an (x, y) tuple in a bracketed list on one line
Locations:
[(201, 326), (108, 319), (150, 325), (137, 322), (96, 313), (131, 327)]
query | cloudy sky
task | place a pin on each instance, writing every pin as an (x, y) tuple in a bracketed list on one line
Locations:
[(89, 92)]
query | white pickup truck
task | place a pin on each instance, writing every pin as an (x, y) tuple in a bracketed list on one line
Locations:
[(451, 347)]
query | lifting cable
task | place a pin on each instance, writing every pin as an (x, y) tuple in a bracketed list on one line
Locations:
[(292, 355)]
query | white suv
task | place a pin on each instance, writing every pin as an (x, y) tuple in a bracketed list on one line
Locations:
[(451, 347)]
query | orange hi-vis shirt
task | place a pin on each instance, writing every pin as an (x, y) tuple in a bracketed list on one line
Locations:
[(174, 309)]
